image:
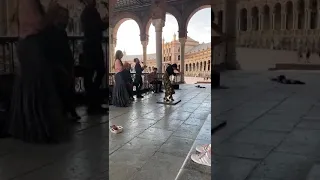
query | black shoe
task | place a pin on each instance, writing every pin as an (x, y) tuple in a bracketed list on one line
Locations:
[(140, 96)]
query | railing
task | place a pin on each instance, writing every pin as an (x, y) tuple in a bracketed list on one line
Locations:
[(8, 59)]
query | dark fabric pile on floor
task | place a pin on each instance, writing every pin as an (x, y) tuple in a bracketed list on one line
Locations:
[(283, 80)]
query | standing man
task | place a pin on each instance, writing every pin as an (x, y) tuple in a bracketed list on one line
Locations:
[(93, 28), (138, 78)]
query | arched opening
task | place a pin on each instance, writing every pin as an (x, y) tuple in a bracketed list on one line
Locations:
[(186, 67), (205, 66), (190, 69), (197, 66), (277, 16), (255, 18), (266, 17), (314, 14), (169, 34), (243, 19), (220, 18), (194, 67), (301, 14), (209, 65), (200, 66), (127, 34), (289, 15)]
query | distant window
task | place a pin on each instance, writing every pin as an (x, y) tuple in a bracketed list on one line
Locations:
[(179, 57)]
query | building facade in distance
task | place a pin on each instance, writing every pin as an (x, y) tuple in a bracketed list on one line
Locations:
[(197, 57)]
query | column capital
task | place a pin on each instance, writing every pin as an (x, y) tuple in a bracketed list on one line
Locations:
[(144, 43), (158, 24), (182, 40)]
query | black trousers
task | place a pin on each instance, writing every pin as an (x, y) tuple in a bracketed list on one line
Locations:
[(158, 85), (138, 83), (94, 73)]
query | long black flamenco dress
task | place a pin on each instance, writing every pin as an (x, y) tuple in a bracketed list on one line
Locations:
[(120, 95), (36, 111)]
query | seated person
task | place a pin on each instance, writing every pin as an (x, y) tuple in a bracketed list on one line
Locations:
[(153, 79)]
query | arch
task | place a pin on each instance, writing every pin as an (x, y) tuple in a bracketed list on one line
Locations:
[(120, 18), (204, 65), (190, 69), (289, 15), (200, 66), (314, 14), (266, 17), (243, 19), (186, 67), (277, 16), (194, 11), (194, 67), (209, 65), (149, 22), (197, 66), (301, 14), (255, 18)]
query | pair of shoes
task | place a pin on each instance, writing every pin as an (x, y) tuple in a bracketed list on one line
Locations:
[(204, 157)]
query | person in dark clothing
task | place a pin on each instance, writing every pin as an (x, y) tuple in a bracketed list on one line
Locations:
[(138, 77), (153, 79), (60, 54), (308, 56), (169, 91), (128, 79), (36, 114), (93, 28)]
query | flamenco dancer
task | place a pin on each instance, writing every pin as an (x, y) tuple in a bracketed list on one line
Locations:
[(169, 91)]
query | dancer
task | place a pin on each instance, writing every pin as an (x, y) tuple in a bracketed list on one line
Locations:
[(138, 77), (93, 28), (120, 96), (169, 91), (36, 113), (204, 157), (60, 54)]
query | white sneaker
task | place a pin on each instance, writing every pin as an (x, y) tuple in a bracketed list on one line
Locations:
[(203, 158), (203, 148)]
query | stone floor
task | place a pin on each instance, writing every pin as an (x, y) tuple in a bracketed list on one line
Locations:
[(154, 145), (273, 130)]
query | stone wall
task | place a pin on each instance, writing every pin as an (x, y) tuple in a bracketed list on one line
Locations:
[(263, 59)]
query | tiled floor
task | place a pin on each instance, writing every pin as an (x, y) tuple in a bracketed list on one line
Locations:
[(273, 130), (154, 145)]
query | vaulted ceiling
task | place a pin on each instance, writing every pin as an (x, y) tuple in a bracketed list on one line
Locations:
[(131, 4)]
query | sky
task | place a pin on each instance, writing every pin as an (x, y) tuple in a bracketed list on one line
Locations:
[(128, 36)]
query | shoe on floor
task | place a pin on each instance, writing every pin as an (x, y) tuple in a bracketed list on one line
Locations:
[(202, 158), (203, 148)]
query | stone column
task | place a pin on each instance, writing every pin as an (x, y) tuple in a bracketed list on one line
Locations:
[(158, 24), (230, 31), (112, 45), (295, 19), (144, 50), (307, 19), (261, 21), (284, 20), (182, 52)]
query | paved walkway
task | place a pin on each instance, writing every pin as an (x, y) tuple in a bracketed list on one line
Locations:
[(154, 145), (273, 130)]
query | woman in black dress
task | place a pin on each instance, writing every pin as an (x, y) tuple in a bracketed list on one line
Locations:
[(120, 95), (36, 113)]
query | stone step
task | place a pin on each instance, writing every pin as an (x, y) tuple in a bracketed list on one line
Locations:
[(314, 173)]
